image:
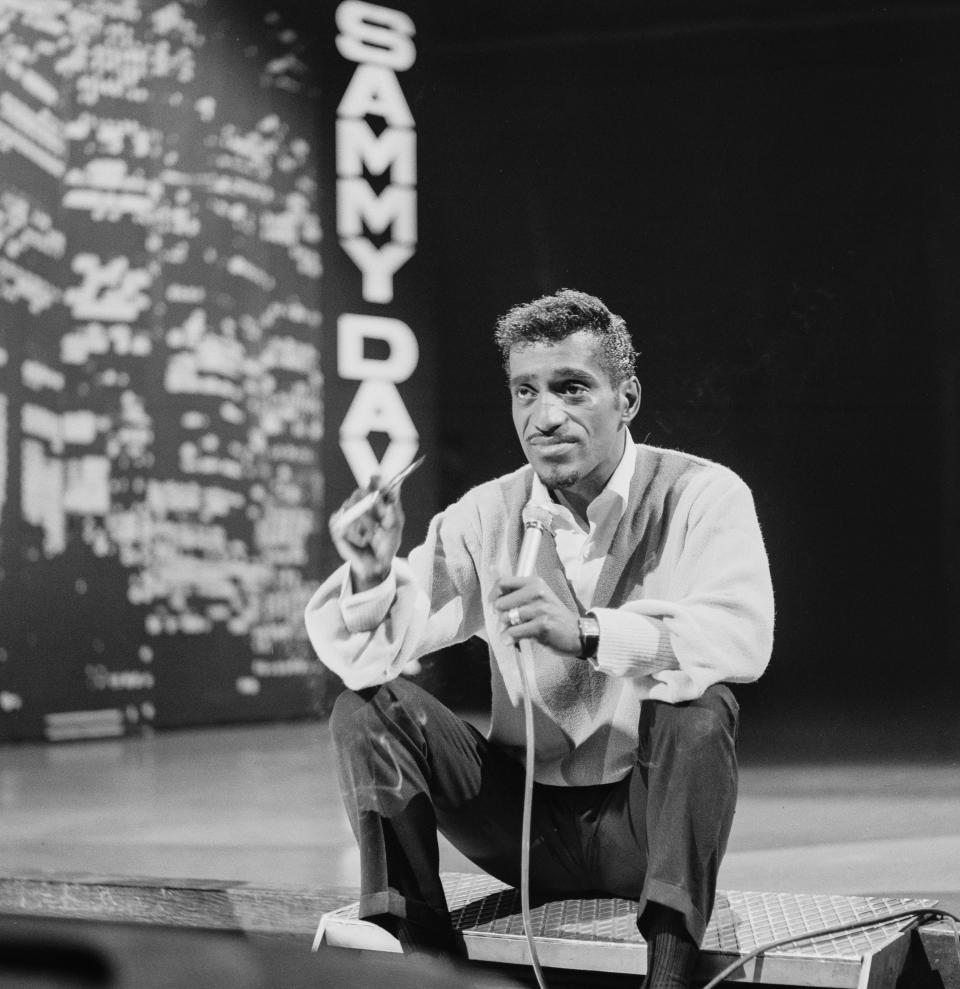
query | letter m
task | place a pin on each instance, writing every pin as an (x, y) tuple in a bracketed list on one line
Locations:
[(395, 149), (358, 206)]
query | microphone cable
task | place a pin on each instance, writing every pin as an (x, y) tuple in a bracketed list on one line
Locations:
[(524, 657), (920, 916)]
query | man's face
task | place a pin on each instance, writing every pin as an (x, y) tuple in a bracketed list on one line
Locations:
[(570, 419)]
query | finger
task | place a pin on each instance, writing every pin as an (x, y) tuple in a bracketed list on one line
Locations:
[(346, 547), (359, 535), (387, 513), (510, 582), (512, 600), (390, 513), (517, 590), (515, 634), (354, 497), (346, 515), (336, 527), (390, 496), (512, 585), (356, 544), (354, 509)]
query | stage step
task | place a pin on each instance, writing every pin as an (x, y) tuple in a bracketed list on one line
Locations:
[(288, 912), (600, 935), (492, 925)]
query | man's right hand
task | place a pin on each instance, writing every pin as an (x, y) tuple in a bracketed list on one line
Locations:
[(370, 543)]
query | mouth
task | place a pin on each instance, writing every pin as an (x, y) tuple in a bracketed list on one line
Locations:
[(550, 445)]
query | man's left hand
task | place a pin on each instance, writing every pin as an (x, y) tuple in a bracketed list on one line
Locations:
[(542, 615)]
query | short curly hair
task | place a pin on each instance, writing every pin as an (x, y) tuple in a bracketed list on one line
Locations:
[(553, 318)]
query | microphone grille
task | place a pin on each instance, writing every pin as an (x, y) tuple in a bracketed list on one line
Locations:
[(537, 516)]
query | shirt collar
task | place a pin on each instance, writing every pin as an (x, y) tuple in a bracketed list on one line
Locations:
[(612, 499)]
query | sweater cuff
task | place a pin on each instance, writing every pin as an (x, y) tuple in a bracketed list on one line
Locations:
[(363, 611), (632, 645)]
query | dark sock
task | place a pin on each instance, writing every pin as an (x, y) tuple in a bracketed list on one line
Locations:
[(417, 939), (671, 952)]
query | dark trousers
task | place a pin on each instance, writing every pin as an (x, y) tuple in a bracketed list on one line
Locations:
[(409, 767)]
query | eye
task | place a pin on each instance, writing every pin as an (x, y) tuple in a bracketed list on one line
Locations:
[(523, 393), (573, 388)]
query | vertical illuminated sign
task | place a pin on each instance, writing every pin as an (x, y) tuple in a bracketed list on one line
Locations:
[(376, 218)]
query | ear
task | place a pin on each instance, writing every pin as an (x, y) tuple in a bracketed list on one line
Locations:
[(629, 396)]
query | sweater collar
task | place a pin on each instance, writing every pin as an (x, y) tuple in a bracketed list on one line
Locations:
[(629, 539)]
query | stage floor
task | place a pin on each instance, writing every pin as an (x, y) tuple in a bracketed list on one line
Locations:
[(260, 804)]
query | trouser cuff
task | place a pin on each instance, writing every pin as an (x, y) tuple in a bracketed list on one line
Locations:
[(656, 892), (393, 904)]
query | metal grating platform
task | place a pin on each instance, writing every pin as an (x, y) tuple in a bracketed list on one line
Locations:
[(600, 935)]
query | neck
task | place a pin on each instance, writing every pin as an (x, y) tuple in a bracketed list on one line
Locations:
[(578, 497)]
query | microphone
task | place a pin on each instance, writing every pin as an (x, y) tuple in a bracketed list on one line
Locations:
[(536, 521)]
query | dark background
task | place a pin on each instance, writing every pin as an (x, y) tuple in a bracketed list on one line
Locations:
[(769, 197)]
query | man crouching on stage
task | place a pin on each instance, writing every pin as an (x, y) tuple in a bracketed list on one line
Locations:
[(654, 589)]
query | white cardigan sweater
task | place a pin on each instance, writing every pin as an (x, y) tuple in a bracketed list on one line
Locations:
[(684, 600)]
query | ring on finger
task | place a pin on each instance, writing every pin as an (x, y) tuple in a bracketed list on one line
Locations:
[(513, 616)]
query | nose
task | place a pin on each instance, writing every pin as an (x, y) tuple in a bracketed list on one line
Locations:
[(548, 413)]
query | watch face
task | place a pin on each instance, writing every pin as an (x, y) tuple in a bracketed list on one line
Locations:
[(589, 636)]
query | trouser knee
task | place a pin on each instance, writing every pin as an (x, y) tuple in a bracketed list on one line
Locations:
[(380, 761), (381, 724), (358, 715), (350, 718), (712, 719), (720, 708)]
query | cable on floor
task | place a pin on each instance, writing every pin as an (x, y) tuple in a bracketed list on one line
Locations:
[(920, 917)]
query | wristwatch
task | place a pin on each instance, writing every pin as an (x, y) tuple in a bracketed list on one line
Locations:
[(589, 636)]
